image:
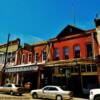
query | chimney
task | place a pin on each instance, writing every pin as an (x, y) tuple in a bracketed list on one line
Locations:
[(97, 23)]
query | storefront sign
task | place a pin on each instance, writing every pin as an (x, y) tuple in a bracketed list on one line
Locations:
[(22, 68)]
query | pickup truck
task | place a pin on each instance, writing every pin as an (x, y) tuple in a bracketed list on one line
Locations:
[(94, 94), (12, 89)]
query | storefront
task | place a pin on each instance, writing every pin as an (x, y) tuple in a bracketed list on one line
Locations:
[(22, 74)]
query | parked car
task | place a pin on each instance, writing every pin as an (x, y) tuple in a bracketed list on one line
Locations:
[(94, 94), (12, 89), (52, 92)]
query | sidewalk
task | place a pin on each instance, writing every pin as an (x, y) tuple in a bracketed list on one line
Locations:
[(79, 98), (75, 98)]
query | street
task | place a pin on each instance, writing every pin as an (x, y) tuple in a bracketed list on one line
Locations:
[(25, 96)]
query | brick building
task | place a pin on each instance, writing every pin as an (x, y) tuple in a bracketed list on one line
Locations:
[(9, 55), (68, 60)]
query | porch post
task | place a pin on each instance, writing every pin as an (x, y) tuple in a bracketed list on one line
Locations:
[(17, 78), (98, 71), (38, 80)]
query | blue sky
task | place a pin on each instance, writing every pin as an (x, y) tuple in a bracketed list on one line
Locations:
[(37, 20)]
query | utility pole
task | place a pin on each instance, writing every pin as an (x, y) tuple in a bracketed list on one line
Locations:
[(5, 62)]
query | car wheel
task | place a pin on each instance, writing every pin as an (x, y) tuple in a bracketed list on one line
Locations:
[(11, 93), (97, 98), (59, 97), (20, 94), (34, 95)]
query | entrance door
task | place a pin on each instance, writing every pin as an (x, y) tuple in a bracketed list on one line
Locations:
[(32, 78)]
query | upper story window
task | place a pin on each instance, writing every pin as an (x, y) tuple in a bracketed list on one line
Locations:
[(29, 57), (2, 58), (56, 54), (89, 50), (9, 56), (66, 52), (44, 55), (77, 51), (22, 59), (36, 56)]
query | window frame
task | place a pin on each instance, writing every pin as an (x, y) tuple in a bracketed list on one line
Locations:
[(88, 55), (56, 54), (75, 51), (66, 54), (44, 56)]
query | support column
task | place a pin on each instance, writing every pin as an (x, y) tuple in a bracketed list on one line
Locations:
[(98, 70), (17, 78), (38, 80)]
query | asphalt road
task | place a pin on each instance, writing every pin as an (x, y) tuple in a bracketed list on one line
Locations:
[(26, 96)]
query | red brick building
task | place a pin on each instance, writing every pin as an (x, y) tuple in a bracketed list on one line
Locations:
[(68, 60)]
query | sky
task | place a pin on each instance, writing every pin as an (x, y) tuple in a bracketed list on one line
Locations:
[(38, 20)]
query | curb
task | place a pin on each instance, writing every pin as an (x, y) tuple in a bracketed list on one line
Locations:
[(75, 98)]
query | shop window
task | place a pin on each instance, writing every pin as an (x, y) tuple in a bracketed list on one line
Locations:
[(77, 51), (44, 55), (88, 67), (72, 69), (89, 50), (66, 52), (83, 68), (76, 69), (94, 68), (56, 54)]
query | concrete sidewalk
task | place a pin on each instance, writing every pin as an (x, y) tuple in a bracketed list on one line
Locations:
[(75, 98)]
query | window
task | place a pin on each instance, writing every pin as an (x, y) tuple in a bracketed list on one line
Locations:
[(9, 56), (56, 54), (83, 68), (44, 55), (22, 60), (77, 51), (46, 88), (89, 50), (36, 57), (74, 69), (66, 52), (53, 89), (89, 68), (29, 57), (94, 68), (2, 58)]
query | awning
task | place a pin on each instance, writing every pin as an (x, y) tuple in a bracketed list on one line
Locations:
[(22, 69)]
